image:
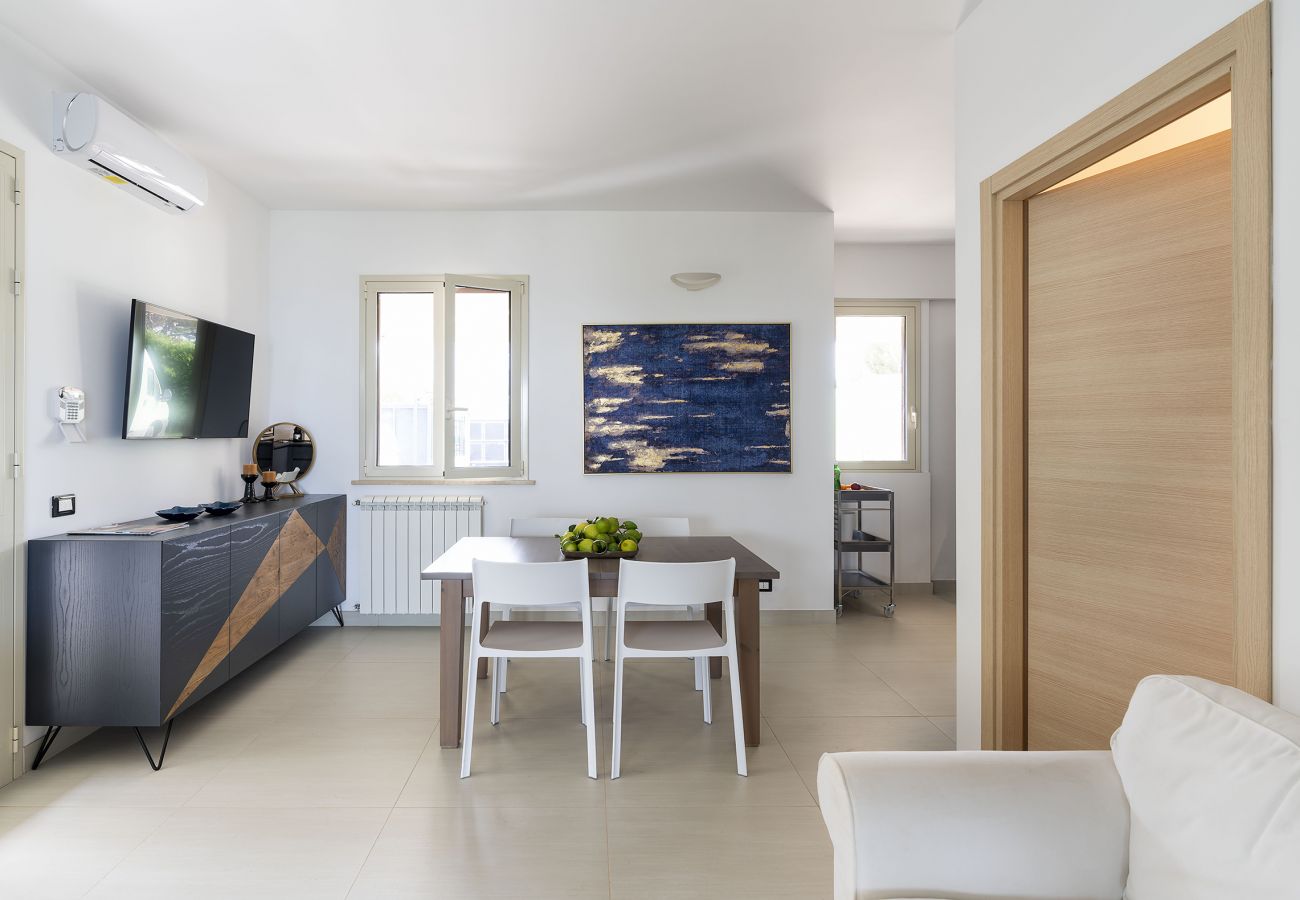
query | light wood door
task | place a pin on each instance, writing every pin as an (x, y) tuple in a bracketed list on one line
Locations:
[(1129, 538), (9, 758)]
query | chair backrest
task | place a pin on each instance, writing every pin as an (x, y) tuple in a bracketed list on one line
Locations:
[(676, 584), (547, 526), (503, 584)]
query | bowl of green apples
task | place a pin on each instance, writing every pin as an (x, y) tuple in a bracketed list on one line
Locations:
[(604, 537)]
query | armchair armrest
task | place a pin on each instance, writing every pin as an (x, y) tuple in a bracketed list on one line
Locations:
[(1049, 826)]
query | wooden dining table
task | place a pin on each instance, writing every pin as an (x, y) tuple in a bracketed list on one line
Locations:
[(454, 569)]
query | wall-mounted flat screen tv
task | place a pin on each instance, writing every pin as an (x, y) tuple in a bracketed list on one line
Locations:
[(186, 377)]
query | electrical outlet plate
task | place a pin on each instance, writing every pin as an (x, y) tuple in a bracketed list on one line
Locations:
[(63, 505)]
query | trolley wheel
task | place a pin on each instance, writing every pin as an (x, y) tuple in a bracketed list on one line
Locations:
[(888, 610)]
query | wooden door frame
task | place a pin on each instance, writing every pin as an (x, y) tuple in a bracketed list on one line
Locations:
[(1236, 58), (17, 406)]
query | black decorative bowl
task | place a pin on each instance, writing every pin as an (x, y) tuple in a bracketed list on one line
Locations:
[(220, 507), (608, 554), (180, 513)]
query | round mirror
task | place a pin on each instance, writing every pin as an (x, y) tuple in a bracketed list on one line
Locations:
[(283, 447)]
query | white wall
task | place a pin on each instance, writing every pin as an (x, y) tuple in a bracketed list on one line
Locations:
[(923, 500), (584, 267), (894, 271), (941, 442), (91, 248), (1068, 60)]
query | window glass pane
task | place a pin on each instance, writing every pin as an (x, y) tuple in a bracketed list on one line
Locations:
[(870, 388), (482, 377), (406, 368)]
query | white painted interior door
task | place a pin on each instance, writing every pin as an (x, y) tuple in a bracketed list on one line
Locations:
[(9, 755)]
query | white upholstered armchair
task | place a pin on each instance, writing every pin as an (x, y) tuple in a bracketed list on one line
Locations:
[(1198, 798)]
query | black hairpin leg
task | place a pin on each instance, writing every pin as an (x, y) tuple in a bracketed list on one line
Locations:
[(167, 736), (51, 732), (338, 614)]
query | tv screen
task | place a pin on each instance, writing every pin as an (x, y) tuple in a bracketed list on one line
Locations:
[(186, 377)]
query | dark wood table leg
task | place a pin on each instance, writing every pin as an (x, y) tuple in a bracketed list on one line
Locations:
[(713, 614), (451, 672), (747, 652)]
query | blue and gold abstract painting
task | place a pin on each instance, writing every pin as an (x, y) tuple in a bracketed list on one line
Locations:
[(686, 398)]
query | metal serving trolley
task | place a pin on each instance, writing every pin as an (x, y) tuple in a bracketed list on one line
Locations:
[(854, 579)]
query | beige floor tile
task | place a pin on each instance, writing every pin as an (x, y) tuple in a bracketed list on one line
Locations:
[(946, 724), (400, 689), (473, 852), (914, 642), (805, 643), (540, 688), (929, 686), (341, 762), (264, 697), (682, 762), (804, 740), (107, 769), (531, 762), (663, 688), (326, 640), (248, 853), (830, 688), (62, 852), (765, 852), (386, 644), (282, 781)]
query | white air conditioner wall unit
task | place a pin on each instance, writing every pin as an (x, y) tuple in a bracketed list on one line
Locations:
[(107, 142)]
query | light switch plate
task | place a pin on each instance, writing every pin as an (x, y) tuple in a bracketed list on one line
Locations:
[(63, 505)]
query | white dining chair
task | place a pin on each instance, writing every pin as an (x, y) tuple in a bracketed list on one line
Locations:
[(505, 585), (653, 526), (677, 584)]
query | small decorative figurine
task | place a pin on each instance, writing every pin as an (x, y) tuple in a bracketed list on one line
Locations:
[(289, 478)]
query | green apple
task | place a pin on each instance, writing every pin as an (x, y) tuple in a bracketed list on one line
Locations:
[(591, 532), (585, 545), (628, 546)]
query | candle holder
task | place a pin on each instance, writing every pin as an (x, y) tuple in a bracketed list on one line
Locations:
[(268, 486), (250, 495)]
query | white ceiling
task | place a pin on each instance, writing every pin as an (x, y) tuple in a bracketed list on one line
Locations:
[(541, 104)]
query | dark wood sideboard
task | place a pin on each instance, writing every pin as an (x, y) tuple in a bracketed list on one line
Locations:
[(134, 630)]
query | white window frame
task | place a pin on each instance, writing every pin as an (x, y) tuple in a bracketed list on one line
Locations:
[(443, 470), (910, 310)]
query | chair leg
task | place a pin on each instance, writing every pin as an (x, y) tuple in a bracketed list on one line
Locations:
[(582, 696), (467, 744), (700, 663), (610, 624), (737, 714), (589, 713), (706, 689), (616, 757), (505, 663), (498, 673)]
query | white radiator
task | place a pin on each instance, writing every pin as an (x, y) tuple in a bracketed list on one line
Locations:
[(404, 535)]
